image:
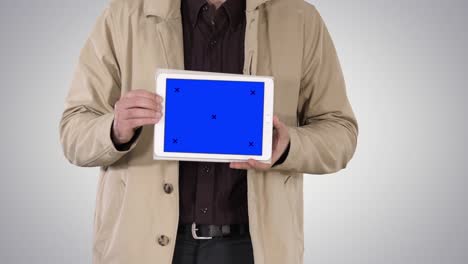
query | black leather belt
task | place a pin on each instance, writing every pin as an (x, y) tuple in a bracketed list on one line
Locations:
[(210, 231)]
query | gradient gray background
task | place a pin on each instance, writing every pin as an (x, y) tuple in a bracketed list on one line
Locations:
[(402, 199)]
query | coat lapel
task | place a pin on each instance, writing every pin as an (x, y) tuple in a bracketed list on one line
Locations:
[(167, 16), (171, 38)]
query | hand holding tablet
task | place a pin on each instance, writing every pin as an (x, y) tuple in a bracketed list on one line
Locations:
[(135, 109), (214, 117)]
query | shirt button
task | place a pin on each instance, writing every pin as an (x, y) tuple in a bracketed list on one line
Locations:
[(206, 169), (168, 188), (163, 240), (213, 22), (204, 210), (213, 43)]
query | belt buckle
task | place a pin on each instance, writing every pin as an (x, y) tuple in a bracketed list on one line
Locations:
[(194, 232)]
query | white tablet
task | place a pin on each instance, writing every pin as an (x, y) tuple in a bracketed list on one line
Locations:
[(214, 117)]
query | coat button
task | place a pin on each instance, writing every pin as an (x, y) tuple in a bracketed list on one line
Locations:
[(168, 188), (163, 240)]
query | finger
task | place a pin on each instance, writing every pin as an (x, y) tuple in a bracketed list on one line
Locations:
[(134, 113), (258, 165), (240, 165), (275, 133), (280, 128), (277, 123), (250, 164), (139, 102), (142, 93), (134, 123)]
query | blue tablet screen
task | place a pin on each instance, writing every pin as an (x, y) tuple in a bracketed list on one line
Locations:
[(215, 117)]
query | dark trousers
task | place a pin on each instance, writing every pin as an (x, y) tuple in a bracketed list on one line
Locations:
[(218, 250)]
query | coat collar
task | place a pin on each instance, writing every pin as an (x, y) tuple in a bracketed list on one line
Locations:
[(167, 9)]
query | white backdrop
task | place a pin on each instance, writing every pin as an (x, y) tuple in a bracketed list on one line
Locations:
[(402, 199)]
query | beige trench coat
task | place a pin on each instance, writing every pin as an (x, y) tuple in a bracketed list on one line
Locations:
[(135, 220)]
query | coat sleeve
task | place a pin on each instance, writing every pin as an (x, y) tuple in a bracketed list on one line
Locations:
[(86, 122), (325, 139)]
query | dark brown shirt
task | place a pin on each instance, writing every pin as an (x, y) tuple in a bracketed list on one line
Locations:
[(213, 193)]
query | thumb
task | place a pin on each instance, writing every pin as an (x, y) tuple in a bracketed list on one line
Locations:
[(277, 123)]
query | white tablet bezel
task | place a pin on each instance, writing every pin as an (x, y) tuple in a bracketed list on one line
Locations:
[(158, 147)]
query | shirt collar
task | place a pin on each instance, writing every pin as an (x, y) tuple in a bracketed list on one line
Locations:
[(167, 9), (234, 8), (193, 7)]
